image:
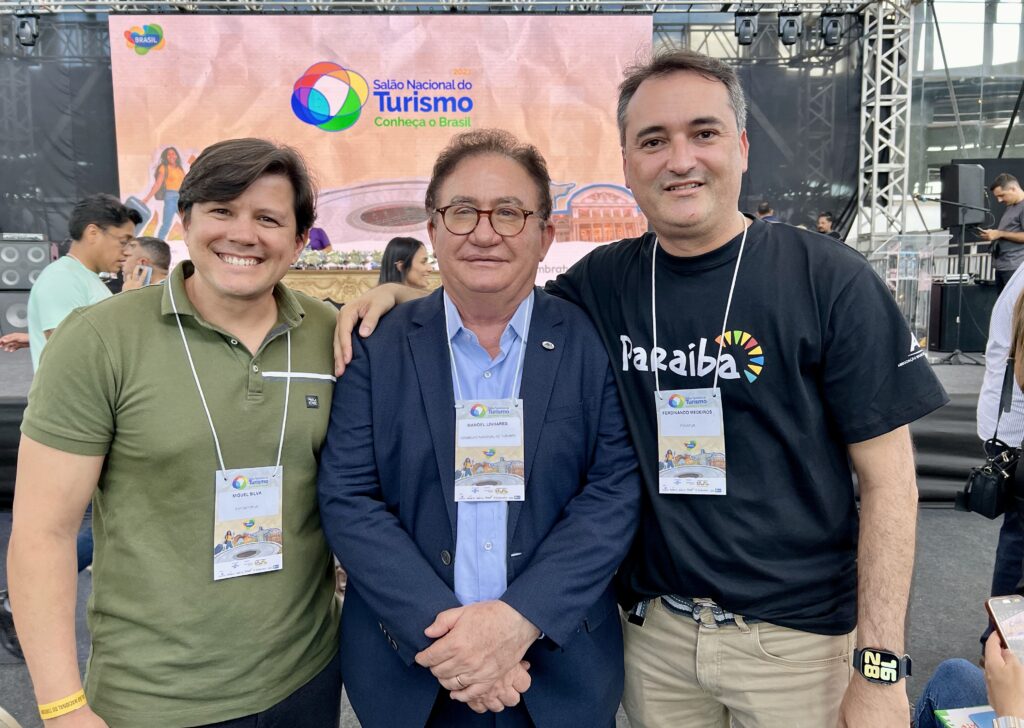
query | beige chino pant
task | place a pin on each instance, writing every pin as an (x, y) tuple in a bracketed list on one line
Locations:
[(681, 674)]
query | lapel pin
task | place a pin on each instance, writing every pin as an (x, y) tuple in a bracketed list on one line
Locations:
[(547, 345)]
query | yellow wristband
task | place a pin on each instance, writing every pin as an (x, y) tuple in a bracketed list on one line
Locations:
[(62, 706)]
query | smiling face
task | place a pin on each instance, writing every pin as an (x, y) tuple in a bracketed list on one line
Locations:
[(483, 262), (241, 248), (683, 158), (419, 269)]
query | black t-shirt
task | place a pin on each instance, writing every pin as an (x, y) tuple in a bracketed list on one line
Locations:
[(833, 363)]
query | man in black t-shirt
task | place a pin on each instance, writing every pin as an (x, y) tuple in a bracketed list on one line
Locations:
[(750, 570)]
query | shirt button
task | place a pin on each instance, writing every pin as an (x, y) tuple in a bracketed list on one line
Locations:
[(255, 368), (234, 342), (488, 546), (487, 375)]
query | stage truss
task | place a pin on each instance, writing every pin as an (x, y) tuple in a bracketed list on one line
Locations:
[(704, 25)]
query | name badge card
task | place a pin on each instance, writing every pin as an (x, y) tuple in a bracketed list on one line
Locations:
[(691, 442), (247, 531), (489, 464)]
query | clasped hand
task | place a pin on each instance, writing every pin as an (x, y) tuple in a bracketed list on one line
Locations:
[(478, 654)]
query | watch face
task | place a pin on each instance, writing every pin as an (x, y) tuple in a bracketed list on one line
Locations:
[(880, 666)]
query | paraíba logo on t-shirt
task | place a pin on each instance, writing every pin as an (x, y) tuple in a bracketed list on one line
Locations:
[(741, 354)]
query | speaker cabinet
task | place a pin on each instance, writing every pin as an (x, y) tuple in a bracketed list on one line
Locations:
[(13, 311), (963, 184), (21, 263), (974, 317)]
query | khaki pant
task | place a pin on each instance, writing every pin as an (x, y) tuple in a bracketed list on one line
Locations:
[(680, 674)]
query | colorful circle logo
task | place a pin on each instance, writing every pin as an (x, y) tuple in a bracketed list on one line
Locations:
[(329, 96), (676, 401), (753, 350), (249, 524), (240, 482), (478, 410), (489, 453), (145, 39), (690, 445)]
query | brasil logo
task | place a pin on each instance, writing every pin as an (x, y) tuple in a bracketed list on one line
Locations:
[(478, 410), (753, 350), (240, 482), (489, 453), (249, 524), (329, 96), (676, 401), (145, 39)]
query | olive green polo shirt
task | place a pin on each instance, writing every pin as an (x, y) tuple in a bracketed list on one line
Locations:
[(171, 647)]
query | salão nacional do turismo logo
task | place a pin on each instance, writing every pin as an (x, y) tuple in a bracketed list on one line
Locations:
[(329, 96), (332, 98), (145, 39)]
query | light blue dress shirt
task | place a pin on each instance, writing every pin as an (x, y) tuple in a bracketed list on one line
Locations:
[(482, 528)]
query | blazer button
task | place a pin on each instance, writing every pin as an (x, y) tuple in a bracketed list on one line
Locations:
[(446, 557), (394, 645)]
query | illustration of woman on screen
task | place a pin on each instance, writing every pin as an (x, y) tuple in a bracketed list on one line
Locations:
[(166, 183)]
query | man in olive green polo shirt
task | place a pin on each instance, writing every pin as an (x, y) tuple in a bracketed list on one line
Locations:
[(192, 414)]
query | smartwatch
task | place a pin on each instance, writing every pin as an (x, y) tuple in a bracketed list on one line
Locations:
[(881, 666)]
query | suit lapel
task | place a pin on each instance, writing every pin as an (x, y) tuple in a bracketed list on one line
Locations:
[(429, 346), (540, 368)]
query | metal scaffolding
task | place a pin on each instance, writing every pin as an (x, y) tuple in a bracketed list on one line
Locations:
[(703, 25), (885, 122)]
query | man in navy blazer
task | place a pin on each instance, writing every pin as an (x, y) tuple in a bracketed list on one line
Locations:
[(455, 609)]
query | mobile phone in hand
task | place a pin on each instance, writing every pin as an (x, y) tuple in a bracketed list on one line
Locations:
[(145, 272), (1008, 616)]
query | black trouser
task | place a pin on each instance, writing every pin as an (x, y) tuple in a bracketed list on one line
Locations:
[(448, 713), (1002, 277), (317, 704)]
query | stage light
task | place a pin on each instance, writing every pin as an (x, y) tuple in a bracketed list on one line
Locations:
[(746, 25), (791, 25), (27, 28), (831, 25)]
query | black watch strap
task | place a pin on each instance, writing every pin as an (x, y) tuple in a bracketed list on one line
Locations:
[(881, 666)]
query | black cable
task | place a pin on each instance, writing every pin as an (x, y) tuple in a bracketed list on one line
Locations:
[(1013, 118)]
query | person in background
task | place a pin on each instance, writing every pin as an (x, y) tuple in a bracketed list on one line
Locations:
[(166, 187), (825, 220), (405, 261), (767, 213), (1008, 237), (147, 261)]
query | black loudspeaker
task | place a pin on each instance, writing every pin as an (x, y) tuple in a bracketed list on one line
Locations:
[(13, 311), (974, 316), (21, 263), (963, 184)]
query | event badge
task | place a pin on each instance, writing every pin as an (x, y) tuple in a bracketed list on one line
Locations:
[(489, 464), (247, 532), (691, 442)]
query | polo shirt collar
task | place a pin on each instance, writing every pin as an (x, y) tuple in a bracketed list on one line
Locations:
[(289, 309)]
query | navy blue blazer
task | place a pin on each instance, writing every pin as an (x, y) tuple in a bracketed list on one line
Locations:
[(387, 504)]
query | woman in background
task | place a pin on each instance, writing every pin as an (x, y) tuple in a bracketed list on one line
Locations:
[(405, 261), (166, 183)]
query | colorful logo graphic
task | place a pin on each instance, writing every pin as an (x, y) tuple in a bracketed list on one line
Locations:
[(240, 482), (753, 350), (489, 453), (249, 524), (478, 410), (145, 39), (329, 96), (690, 445), (676, 401)]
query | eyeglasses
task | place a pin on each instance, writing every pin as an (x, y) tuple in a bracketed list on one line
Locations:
[(463, 219)]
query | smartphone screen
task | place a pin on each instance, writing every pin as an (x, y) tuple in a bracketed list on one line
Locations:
[(1008, 615), (147, 274)]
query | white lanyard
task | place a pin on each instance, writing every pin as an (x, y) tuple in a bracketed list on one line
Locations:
[(725, 321), (519, 364), (202, 397)]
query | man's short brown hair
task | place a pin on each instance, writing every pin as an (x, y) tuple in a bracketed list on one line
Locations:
[(491, 141), (1004, 180), (227, 169)]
